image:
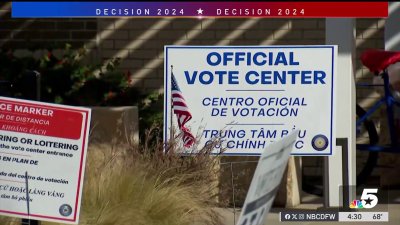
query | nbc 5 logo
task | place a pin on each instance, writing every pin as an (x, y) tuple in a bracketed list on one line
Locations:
[(368, 199)]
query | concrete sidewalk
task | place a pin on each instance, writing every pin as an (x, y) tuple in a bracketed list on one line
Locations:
[(273, 217)]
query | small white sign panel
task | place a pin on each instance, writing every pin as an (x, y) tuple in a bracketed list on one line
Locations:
[(246, 97), (266, 181), (42, 159)]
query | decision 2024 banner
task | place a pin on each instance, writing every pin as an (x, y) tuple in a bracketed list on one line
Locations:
[(208, 9), (242, 98)]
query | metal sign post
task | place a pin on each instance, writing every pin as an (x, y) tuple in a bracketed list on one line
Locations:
[(341, 32), (32, 94), (30, 222)]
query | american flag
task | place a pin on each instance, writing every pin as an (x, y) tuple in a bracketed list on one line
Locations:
[(182, 113)]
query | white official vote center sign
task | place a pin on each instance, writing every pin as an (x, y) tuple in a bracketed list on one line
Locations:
[(42, 159), (246, 97)]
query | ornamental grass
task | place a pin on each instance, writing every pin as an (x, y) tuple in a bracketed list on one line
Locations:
[(147, 184)]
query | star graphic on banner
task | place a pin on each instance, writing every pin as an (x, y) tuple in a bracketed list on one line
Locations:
[(368, 201), (200, 11)]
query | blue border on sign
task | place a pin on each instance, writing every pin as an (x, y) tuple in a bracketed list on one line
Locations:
[(246, 47), (166, 95)]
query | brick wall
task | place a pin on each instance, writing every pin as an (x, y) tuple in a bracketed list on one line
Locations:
[(370, 34), (140, 42), (41, 33)]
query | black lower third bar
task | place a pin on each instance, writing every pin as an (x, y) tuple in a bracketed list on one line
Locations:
[(308, 216)]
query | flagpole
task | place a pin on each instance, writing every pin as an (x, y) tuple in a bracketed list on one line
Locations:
[(172, 130)]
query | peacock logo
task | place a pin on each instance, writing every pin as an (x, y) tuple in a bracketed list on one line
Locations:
[(356, 204)]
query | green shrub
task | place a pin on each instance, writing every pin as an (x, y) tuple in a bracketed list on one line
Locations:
[(69, 79)]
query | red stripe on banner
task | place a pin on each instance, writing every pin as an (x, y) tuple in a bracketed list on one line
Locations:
[(298, 9), (345, 9)]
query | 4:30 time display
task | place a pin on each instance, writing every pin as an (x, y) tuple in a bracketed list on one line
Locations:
[(355, 216)]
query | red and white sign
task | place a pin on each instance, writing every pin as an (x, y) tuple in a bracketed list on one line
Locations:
[(42, 159)]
